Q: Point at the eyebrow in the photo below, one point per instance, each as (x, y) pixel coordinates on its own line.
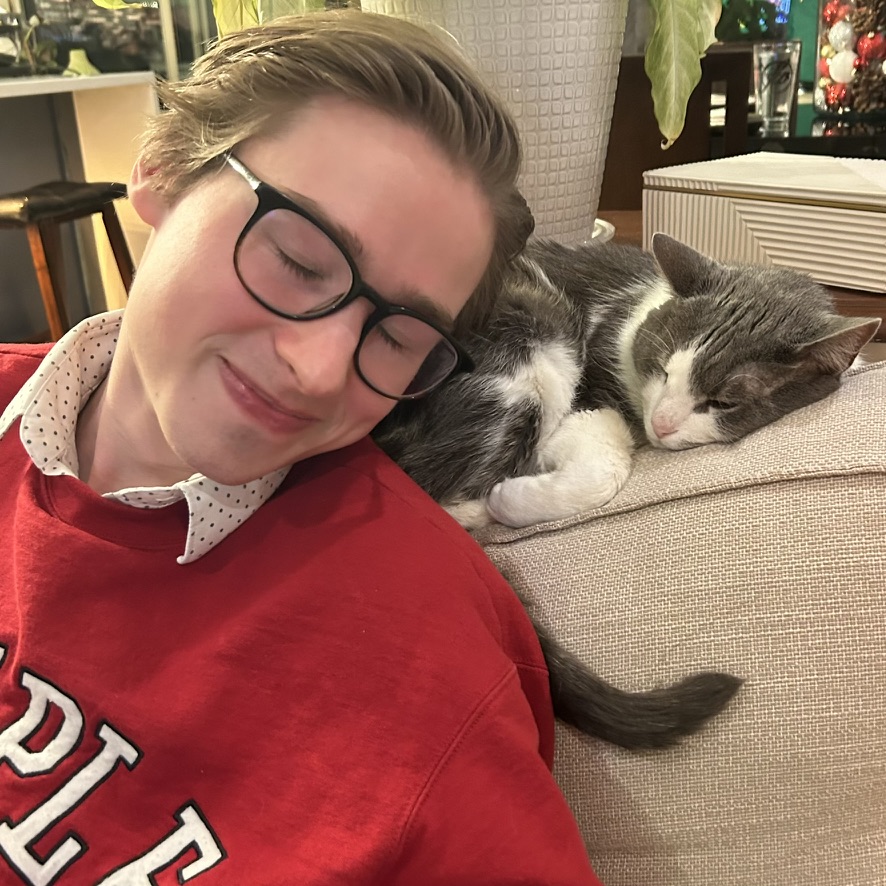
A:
(406, 298)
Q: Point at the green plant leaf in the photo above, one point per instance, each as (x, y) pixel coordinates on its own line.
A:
(683, 31)
(232, 16)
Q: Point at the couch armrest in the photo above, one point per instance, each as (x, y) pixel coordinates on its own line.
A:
(765, 558)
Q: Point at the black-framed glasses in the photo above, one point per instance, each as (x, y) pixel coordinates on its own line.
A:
(291, 264)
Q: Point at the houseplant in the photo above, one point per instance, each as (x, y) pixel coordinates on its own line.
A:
(556, 63)
(681, 33)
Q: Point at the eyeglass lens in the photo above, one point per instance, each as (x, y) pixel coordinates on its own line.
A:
(291, 266)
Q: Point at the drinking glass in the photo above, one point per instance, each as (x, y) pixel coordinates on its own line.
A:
(776, 65)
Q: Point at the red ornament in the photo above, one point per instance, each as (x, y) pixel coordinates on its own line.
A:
(871, 47)
(835, 95)
(824, 69)
(834, 11)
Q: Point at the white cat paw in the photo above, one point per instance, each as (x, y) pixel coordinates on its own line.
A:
(471, 514)
(507, 503)
(523, 501)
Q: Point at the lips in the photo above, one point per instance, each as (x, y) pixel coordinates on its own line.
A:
(261, 406)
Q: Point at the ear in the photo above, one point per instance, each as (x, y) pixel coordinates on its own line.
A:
(835, 352)
(685, 268)
(144, 195)
(524, 223)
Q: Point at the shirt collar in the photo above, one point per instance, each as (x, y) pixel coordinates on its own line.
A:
(49, 404)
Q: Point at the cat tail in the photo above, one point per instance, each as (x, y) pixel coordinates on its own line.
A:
(657, 718)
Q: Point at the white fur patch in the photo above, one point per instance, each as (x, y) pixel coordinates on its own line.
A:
(656, 297)
(585, 462)
(593, 319)
(534, 268)
(548, 378)
(699, 429)
(669, 416)
(471, 514)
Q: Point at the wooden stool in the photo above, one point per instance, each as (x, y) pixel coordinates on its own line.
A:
(40, 210)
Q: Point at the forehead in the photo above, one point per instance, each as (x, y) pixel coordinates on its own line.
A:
(417, 221)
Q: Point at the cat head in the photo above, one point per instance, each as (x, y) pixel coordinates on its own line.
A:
(735, 348)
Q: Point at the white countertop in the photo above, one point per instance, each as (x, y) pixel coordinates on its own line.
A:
(48, 84)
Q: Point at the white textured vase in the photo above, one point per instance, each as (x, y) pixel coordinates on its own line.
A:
(556, 64)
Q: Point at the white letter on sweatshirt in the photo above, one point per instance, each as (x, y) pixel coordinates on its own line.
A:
(13, 738)
(15, 839)
(194, 831)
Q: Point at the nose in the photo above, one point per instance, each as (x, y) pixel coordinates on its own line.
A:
(320, 353)
(664, 425)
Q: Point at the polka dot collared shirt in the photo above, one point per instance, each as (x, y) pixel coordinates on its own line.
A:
(50, 402)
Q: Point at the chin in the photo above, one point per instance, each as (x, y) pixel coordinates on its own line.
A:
(231, 478)
(228, 472)
(673, 445)
(233, 459)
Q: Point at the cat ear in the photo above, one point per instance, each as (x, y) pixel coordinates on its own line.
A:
(523, 224)
(685, 269)
(835, 352)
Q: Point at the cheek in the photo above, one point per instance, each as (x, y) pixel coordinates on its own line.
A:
(184, 293)
(361, 411)
(699, 429)
(703, 427)
(740, 422)
(188, 267)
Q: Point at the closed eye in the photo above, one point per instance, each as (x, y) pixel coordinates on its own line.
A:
(298, 269)
(719, 405)
(388, 339)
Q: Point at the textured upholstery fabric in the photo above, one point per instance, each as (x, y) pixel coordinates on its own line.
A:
(766, 558)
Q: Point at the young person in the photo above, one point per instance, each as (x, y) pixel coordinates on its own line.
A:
(237, 644)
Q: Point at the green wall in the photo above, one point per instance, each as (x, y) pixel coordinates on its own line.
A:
(803, 25)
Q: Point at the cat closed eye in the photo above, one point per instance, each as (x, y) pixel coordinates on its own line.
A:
(719, 405)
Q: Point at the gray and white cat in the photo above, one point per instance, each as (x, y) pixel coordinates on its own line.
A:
(593, 350)
(590, 352)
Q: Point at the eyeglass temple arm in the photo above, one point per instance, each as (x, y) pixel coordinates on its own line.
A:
(235, 164)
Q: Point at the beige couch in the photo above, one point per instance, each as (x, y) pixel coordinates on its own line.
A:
(766, 558)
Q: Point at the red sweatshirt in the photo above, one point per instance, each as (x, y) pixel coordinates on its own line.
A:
(344, 691)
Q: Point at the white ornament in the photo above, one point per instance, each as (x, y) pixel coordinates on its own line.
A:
(841, 36)
(842, 66)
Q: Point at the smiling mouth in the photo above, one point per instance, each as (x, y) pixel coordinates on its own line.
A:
(259, 405)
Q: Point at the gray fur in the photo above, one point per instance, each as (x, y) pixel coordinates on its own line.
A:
(768, 342)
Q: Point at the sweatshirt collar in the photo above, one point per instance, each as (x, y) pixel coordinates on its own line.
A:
(50, 402)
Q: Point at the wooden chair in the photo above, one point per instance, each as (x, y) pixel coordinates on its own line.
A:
(40, 210)
(634, 138)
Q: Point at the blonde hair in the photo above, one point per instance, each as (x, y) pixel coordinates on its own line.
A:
(252, 80)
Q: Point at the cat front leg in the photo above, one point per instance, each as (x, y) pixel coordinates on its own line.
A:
(472, 514)
(584, 464)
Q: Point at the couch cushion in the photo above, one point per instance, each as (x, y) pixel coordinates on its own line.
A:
(766, 558)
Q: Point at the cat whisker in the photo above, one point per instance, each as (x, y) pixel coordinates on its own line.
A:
(649, 334)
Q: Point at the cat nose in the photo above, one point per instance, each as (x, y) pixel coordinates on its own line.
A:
(664, 425)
